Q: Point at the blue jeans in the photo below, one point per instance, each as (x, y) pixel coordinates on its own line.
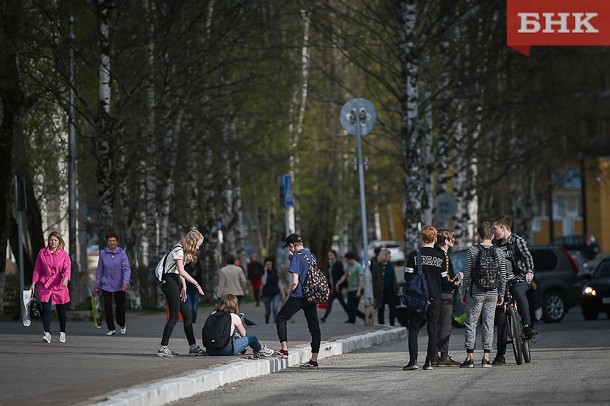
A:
(237, 346)
(192, 298)
(269, 300)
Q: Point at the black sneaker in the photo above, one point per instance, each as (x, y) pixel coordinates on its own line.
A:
(485, 363)
(196, 350)
(427, 366)
(411, 366)
(528, 332)
(447, 362)
(467, 364)
(499, 360)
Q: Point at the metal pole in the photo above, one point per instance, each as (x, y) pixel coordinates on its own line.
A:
(18, 186)
(362, 192)
(72, 166)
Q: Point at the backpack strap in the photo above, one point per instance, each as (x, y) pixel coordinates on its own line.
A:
(419, 265)
(165, 259)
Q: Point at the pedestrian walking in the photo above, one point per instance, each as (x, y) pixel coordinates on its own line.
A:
(231, 280)
(112, 278)
(299, 265)
(273, 289)
(355, 283)
(52, 272)
(173, 285)
(385, 286)
(255, 273)
(192, 294)
(336, 289)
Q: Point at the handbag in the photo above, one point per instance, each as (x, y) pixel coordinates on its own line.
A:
(35, 307)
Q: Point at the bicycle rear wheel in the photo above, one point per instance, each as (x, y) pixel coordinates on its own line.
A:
(514, 330)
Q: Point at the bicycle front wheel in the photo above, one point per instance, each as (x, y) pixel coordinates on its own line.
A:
(527, 356)
(514, 330)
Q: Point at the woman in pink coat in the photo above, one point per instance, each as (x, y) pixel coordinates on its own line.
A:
(52, 274)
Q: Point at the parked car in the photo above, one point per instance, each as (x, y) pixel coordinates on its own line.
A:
(586, 244)
(596, 292)
(556, 276)
(396, 249)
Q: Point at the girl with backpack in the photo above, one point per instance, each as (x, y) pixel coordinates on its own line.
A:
(173, 285)
(220, 327)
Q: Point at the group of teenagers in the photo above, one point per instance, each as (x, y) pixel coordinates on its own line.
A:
(514, 263)
(52, 274)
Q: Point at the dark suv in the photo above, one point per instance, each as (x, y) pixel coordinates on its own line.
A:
(586, 244)
(556, 275)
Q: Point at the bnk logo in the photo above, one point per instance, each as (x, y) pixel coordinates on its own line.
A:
(557, 23)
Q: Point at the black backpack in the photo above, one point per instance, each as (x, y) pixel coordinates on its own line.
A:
(415, 291)
(216, 332)
(486, 273)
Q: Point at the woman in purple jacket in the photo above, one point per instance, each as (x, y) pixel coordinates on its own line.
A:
(112, 277)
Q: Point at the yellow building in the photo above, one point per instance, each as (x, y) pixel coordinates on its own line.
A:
(569, 205)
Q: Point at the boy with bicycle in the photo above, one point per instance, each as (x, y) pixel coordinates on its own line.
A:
(519, 265)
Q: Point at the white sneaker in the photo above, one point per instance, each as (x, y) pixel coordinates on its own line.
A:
(62, 337)
(47, 337)
(266, 352)
(110, 333)
(163, 351)
(123, 330)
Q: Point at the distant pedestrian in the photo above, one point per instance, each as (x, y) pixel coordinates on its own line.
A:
(52, 272)
(336, 289)
(230, 304)
(449, 281)
(231, 280)
(192, 294)
(482, 302)
(432, 267)
(385, 286)
(355, 284)
(255, 273)
(173, 285)
(299, 265)
(273, 289)
(112, 277)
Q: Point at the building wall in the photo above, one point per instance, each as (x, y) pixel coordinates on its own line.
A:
(597, 184)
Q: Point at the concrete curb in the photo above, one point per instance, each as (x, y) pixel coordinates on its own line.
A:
(169, 390)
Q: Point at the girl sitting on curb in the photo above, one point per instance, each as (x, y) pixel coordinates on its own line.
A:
(229, 304)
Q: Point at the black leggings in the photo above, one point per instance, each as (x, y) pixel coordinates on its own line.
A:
(171, 289)
(62, 316)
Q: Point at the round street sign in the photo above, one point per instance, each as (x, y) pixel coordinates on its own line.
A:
(358, 111)
(444, 206)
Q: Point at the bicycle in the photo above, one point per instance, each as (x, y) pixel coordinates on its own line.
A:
(520, 343)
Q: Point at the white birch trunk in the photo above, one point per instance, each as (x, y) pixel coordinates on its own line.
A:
(297, 107)
(105, 156)
(412, 147)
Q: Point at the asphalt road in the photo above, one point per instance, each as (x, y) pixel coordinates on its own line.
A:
(569, 366)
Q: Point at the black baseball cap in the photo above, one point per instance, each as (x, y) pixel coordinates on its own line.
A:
(292, 239)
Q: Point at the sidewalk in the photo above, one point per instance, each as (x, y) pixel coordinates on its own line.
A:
(124, 370)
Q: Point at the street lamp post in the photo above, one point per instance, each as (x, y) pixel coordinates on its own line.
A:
(358, 118)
